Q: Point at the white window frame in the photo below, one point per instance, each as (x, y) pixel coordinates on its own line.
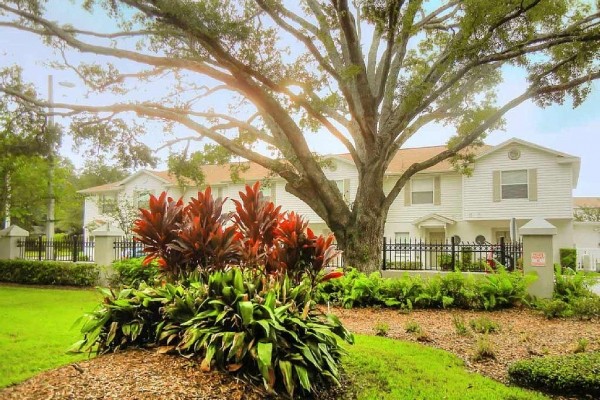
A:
(138, 198)
(401, 237)
(415, 182)
(103, 202)
(503, 185)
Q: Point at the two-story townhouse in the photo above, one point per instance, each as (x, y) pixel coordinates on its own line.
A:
(513, 181)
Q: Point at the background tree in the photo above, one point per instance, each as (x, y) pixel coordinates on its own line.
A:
(370, 74)
(587, 214)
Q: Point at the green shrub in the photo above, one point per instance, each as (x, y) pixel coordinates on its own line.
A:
(568, 258)
(484, 325)
(408, 265)
(459, 325)
(413, 327)
(131, 271)
(554, 308)
(236, 322)
(570, 285)
(571, 375)
(484, 349)
(381, 329)
(237, 291)
(445, 262)
(49, 273)
(492, 291)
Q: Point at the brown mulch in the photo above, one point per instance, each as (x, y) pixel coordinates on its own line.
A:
(133, 374)
(523, 334)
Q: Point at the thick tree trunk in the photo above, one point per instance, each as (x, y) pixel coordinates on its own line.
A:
(361, 238)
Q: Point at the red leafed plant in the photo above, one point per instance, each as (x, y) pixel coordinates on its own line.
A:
(204, 240)
(258, 236)
(256, 219)
(157, 229)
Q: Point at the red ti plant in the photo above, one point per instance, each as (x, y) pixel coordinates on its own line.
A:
(204, 240)
(157, 229)
(256, 219)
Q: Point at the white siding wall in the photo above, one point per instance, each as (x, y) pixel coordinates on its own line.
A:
(450, 206)
(554, 187)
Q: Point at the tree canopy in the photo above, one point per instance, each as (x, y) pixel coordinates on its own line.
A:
(258, 77)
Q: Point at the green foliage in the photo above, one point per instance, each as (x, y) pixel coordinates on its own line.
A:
(568, 258)
(131, 272)
(491, 291)
(484, 349)
(484, 325)
(49, 273)
(582, 345)
(413, 327)
(445, 262)
(572, 296)
(239, 296)
(237, 322)
(460, 325)
(571, 375)
(381, 329)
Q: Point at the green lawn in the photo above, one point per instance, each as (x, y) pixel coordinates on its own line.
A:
(390, 369)
(36, 330)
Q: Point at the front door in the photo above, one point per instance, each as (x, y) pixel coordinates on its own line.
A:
(435, 240)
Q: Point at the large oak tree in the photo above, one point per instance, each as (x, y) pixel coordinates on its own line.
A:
(264, 74)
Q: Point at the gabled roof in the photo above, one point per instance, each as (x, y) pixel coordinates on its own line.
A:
(493, 149)
(404, 158)
(434, 217)
(561, 157)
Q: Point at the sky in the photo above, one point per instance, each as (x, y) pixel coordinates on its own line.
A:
(560, 127)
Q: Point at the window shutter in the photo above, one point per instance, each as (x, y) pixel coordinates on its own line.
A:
(407, 194)
(274, 192)
(437, 192)
(532, 185)
(347, 190)
(496, 184)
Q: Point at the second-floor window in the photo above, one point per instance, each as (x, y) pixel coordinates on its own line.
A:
(142, 199)
(107, 203)
(422, 191)
(514, 184)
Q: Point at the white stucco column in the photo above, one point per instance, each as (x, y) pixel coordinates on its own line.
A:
(538, 255)
(9, 239)
(104, 252)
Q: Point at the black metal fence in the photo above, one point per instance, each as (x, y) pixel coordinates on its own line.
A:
(414, 254)
(71, 249)
(127, 248)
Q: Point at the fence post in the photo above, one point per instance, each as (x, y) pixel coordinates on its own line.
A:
(538, 255)
(384, 246)
(40, 248)
(502, 251)
(9, 242)
(75, 249)
(452, 243)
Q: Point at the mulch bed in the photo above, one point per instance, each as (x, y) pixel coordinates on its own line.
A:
(144, 374)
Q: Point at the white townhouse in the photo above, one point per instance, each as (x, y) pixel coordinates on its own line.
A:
(515, 179)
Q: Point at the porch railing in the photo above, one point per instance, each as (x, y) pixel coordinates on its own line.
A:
(71, 249)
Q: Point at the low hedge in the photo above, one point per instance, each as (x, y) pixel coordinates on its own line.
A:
(49, 273)
(131, 271)
(572, 375)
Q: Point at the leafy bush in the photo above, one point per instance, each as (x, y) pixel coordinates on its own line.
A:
(132, 271)
(484, 349)
(568, 258)
(572, 297)
(492, 291)
(484, 325)
(235, 322)
(49, 273)
(571, 375)
(459, 325)
(381, 329)
(445, 262)
(239, 293)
